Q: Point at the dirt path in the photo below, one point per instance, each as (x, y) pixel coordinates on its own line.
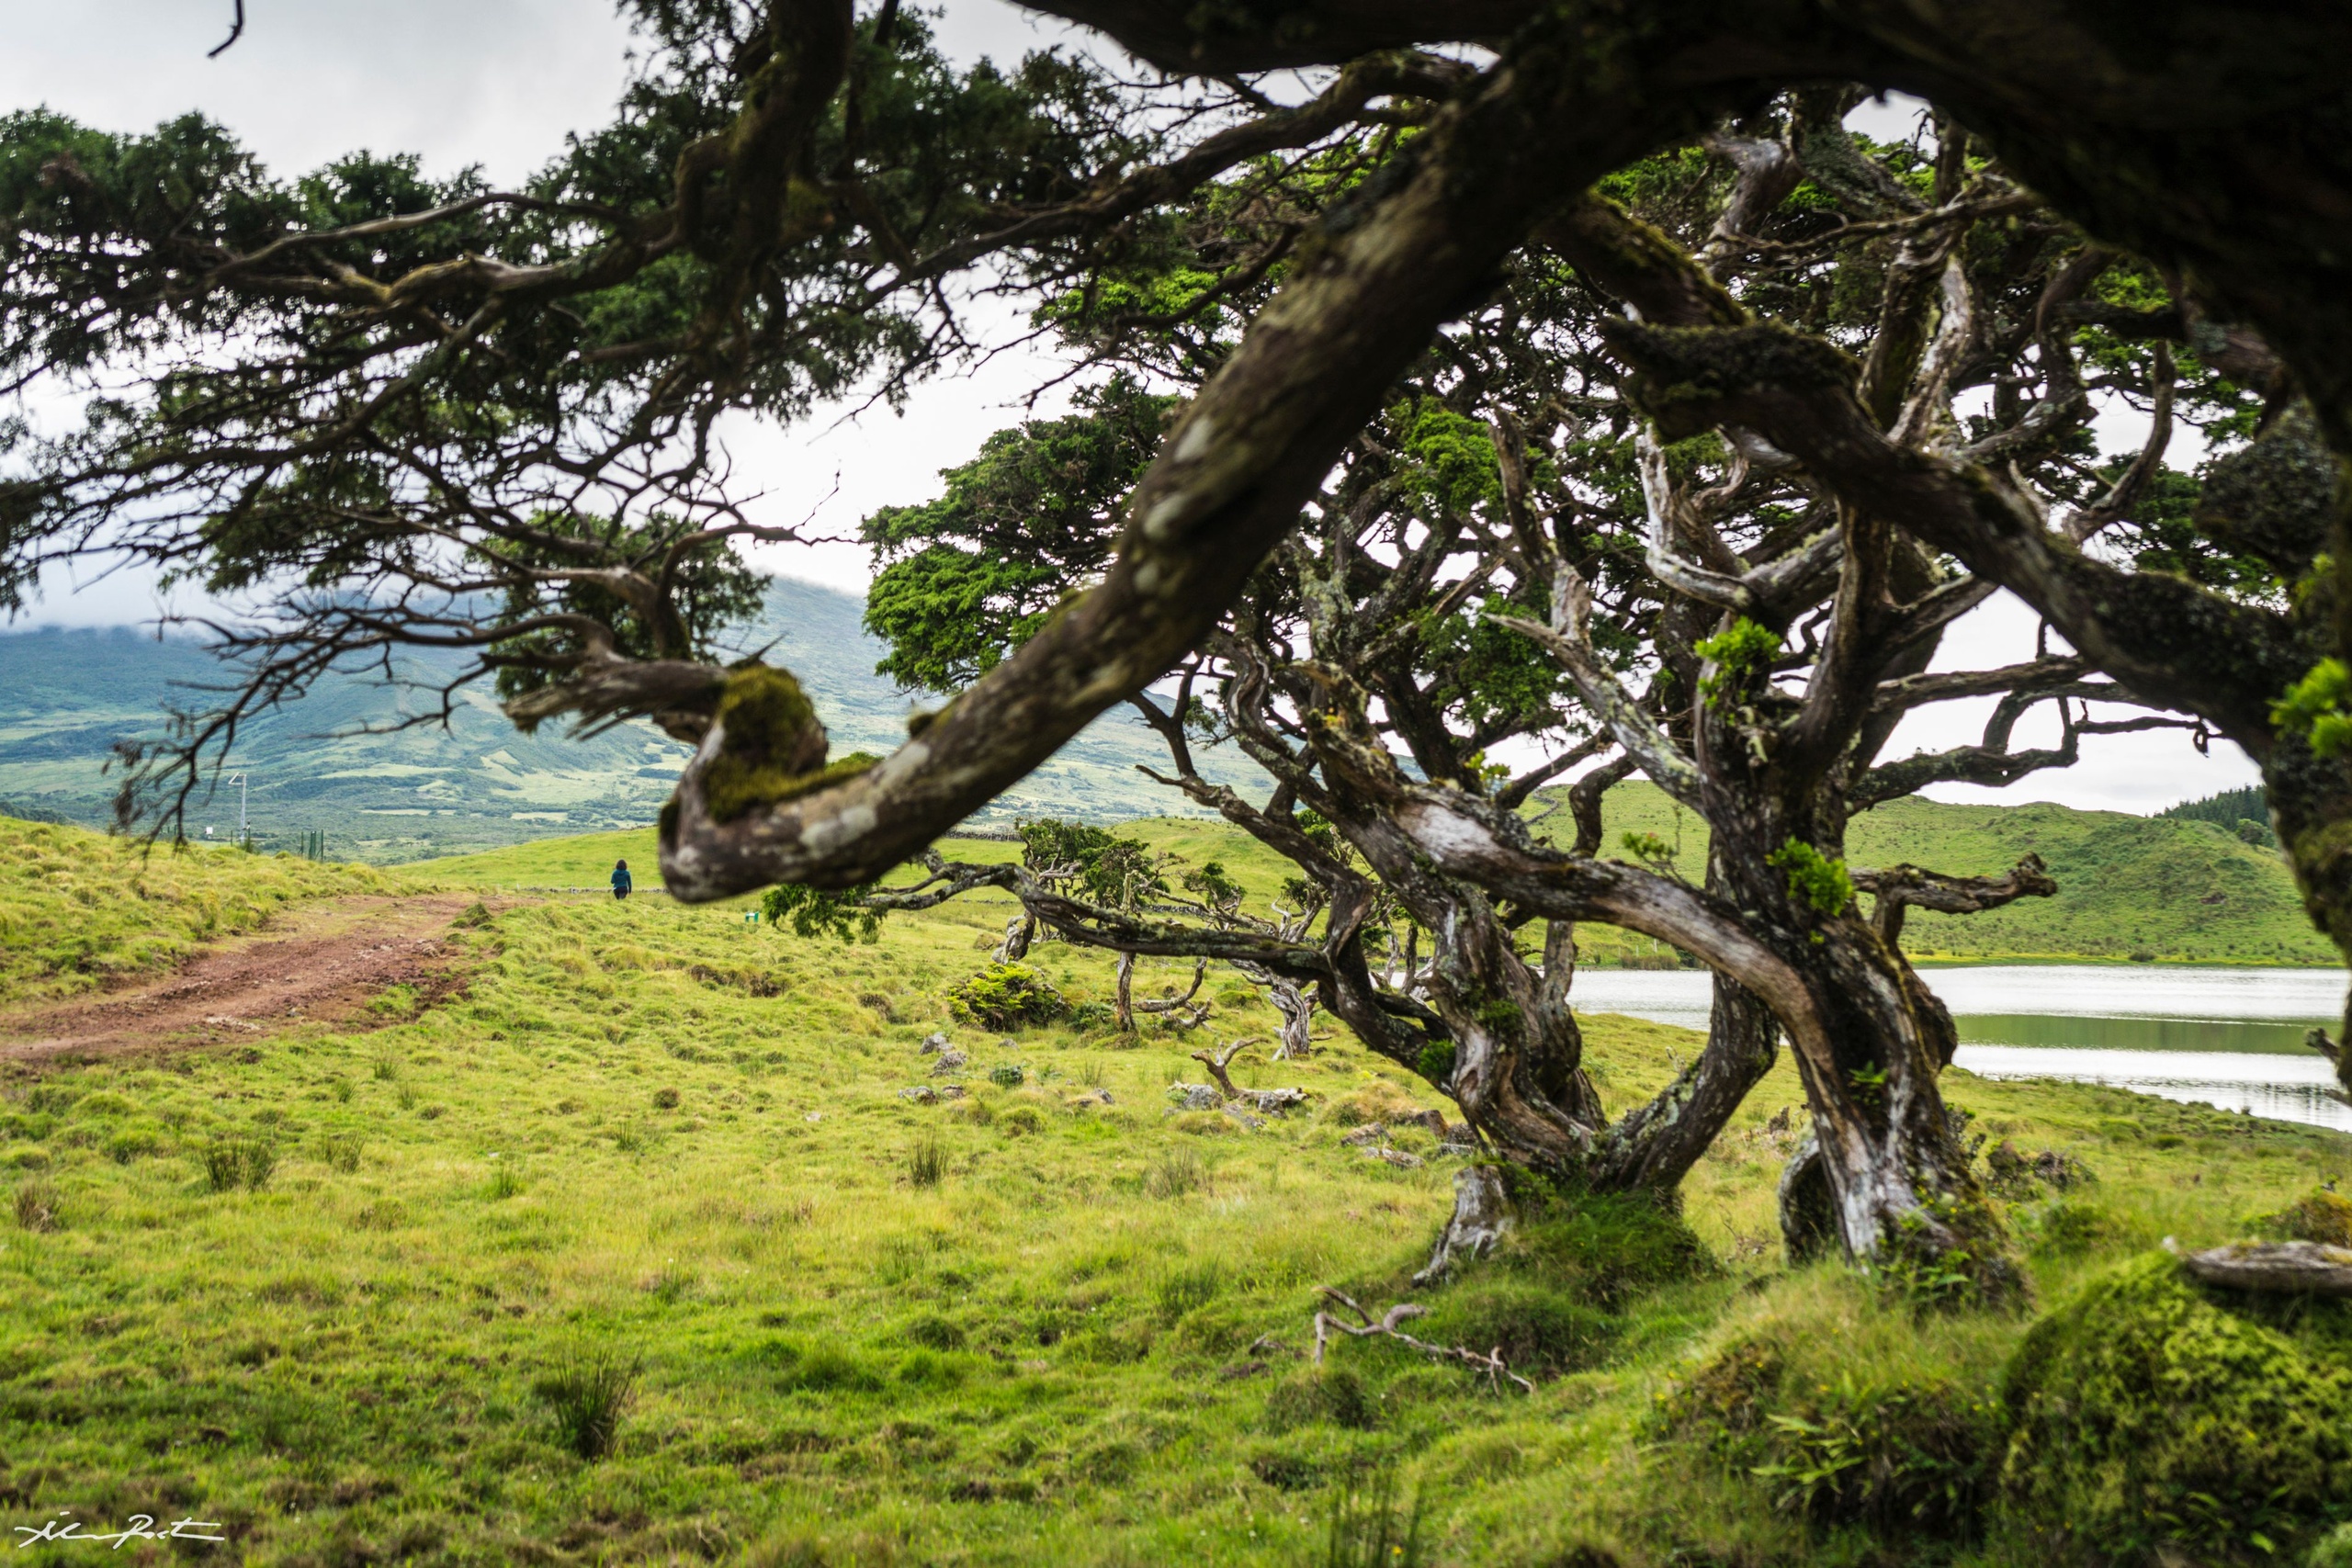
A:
(320, 964)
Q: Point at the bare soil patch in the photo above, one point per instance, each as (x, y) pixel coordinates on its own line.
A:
(322, 963)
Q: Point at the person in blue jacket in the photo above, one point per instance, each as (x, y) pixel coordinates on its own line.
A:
(621, 879)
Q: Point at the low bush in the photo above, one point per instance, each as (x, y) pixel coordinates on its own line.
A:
(1006, 996)
(2144, 1413)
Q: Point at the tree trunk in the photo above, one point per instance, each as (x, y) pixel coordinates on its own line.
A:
(1299, 1016)
(1126, 1018)
(1019, 933)
(1898, 1182)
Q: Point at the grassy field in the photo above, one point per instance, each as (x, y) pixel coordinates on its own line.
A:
(356, 1292)
(78, 908)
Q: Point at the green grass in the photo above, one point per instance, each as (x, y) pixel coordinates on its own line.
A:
(2164, 887)
(614, 1197)
(78, 908)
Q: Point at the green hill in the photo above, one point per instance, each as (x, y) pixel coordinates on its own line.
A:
(2174, 888)
(66, 697)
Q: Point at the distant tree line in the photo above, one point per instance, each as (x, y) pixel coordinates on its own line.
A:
(2246, 812)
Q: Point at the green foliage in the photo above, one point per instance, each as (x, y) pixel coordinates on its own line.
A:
(1814, 880)
(1650, 850)
(1106, 868)
(1741, 651)
(2319, 708)
(2143, 1413)
(817, 911)
(588, 1397)
(968, 578)
(1436, 1062)
(1007, 996)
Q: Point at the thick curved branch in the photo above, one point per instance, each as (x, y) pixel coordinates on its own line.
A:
(1900, 887)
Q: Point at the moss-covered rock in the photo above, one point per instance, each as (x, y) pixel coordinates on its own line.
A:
(2322, 1217)
(2143, 1411)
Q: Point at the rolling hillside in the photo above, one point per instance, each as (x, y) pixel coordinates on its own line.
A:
(2164, 887)
(67, 697)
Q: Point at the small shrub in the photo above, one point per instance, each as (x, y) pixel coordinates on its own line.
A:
(37, 1207)
(1006, 996)
(1334, 1396)
(231, 1163)
(588, 1398)
(1020, 1120)
(1007, 1075)
(474, 914)
(1175, 1173)
(1093, 1015)
(506, 1181)
(343, 1151)
(927, 1163)
(665, 1100)
(2143, 1414)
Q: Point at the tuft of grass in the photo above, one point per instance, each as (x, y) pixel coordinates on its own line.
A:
(231, 1162)
(1371, 1528)
(927, 1162)
(1176, 1172)
(38, 1206)
(588, 1397)
(342, 1151)
(506, 1181)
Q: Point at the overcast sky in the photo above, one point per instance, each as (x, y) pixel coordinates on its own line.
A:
(499, 83)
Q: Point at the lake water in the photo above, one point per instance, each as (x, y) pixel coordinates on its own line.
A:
(2231, 1038)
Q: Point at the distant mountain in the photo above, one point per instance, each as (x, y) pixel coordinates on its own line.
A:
(67, 697)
